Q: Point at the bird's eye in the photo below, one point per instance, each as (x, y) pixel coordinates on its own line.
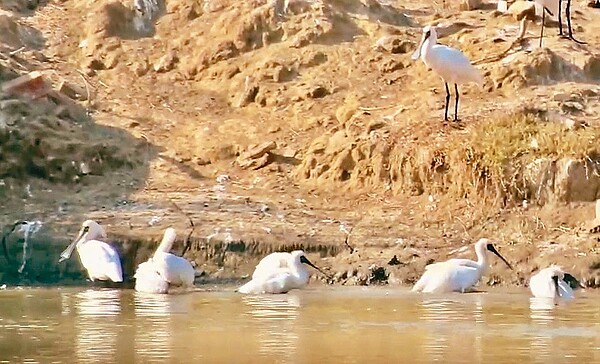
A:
(86, 229)
(428, 34)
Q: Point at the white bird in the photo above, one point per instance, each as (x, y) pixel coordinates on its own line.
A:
(451, 64)
(101, 260)
(457, 275)
(553, 282)
(553, 7)
(279, 273)
(164, 268)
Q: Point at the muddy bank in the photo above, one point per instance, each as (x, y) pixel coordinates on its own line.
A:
(387, 245)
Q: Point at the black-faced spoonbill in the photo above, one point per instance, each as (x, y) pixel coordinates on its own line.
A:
(101, 260)
(553, 7)
(553, 282)
(451, 64)
(164, 269)
(457, 275)
(279, 273)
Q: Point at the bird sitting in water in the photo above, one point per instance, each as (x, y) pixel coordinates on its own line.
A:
(457, 275)
(164, 269)
(279, 273)
(101, 260)
(451, 64)
(553, 282)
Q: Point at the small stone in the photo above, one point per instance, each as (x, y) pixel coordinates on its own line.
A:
(31, 85)
(166, 63)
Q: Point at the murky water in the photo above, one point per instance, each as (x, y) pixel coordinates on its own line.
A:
(349, 325)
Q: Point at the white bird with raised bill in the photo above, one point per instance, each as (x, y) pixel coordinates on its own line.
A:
(449, 63)
(553, 282)
(101, 260)
(164, 269)
(457, 275)
(279, 273)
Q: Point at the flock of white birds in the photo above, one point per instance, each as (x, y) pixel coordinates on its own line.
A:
(281, 272)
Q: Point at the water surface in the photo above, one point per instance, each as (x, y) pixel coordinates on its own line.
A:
(332, 324)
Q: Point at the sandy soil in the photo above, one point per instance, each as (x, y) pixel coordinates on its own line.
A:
(275, 131)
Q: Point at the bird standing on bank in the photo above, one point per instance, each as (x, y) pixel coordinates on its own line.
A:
(451, 64)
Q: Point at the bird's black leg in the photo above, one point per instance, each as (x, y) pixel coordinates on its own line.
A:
(568, 14)
(456, 104)
(542, 33)
(560, 32)
(447, 101)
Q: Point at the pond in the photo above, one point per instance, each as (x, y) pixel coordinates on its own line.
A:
(317, 324)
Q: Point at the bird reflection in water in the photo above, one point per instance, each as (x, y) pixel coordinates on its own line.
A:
(153, 326)
(541, 312)
(97, 324)
(275, 318)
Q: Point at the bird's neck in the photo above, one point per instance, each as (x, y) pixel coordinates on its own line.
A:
(165, 246)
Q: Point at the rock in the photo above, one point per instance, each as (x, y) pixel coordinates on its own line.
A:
(522, 10)
(390, 65)
(377, 275)
(259, 150)
(394, 261)
(317, 92)
(166, 63)
(249, 94)
(72, 91)
(470, 5)
(31, 85)
(394, 45)
(257, 157)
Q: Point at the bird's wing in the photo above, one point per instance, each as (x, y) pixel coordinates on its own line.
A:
(176, 270)
(447, 277)
(453, 261)
(269, 263)
(277, 281)
(453, 66)
(101, 257)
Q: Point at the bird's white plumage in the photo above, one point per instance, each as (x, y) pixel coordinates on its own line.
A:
(164, 269)
(101, 260)
(542, 285)
(148, 280)
(277, 273)
(449, 63)
(454, 275)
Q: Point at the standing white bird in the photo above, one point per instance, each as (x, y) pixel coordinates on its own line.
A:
(101, 260)
(451, 64)
(553, 7)
(457, 275)
(553, 282)
(164, 269)
(279, 273)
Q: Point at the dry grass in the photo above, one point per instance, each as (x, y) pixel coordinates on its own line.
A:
(492, 161)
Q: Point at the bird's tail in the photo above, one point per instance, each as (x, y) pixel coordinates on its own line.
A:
(248, 288)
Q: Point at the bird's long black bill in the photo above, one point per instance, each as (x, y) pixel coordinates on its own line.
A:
(572, 281)
(557, 290)
(493, 250)
(305, 260)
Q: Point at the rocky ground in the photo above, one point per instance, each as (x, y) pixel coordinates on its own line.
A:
(307, 127)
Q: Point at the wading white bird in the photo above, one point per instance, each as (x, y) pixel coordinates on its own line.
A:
(457, 275)
(279, 273)
(101, 260)
(553, 282)
(164, 268)
(451, 64)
